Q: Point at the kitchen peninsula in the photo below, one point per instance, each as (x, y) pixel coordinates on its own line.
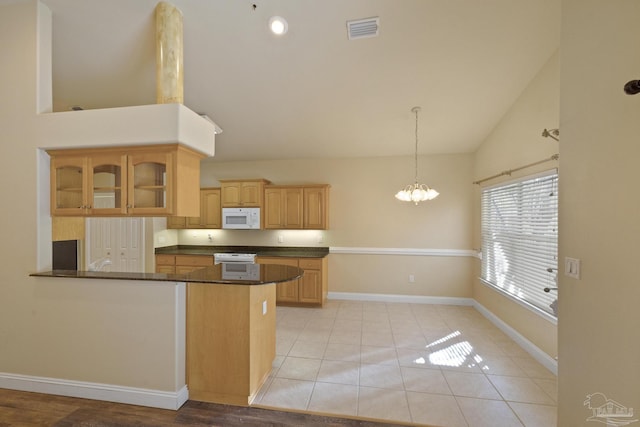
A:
(227, 338)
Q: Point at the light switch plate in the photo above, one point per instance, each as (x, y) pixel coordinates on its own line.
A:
(572, 267)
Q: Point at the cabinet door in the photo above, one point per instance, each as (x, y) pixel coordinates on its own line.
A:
(250, 194)
(230, 194)
(287, 291)
(210, 210)
(108, 178)
(316, 209)
(310, 289)
(283, 207)
(69, 186)
(273, 208)
(293, 203)
(150, 183)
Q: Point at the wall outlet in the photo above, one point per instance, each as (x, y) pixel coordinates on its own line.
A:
(412, 278)
(280, 238)
(320, 238)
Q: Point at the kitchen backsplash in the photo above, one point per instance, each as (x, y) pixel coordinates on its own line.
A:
(310, 238)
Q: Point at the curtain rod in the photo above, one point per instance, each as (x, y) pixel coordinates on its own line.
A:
(510, 171)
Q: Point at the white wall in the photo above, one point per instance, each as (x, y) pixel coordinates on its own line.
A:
(599, 349)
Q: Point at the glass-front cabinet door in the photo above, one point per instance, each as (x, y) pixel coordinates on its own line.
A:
(69, 186)
(150, 183)
(108, 184)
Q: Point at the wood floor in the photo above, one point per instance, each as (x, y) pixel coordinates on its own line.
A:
(24, 409)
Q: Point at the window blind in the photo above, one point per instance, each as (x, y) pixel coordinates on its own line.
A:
(519, 229)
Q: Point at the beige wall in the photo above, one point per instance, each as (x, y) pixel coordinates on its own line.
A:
(599, 349)
(122, 333)
(365, 214)
(515, 142)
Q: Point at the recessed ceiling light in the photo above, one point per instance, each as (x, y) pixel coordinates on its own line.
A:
(278, 25)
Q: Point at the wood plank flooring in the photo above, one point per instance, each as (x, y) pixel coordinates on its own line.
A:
(25, 409)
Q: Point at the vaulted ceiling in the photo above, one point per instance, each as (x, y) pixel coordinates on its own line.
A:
(313, 92)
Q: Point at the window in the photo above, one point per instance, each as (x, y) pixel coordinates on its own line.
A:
(520, 238)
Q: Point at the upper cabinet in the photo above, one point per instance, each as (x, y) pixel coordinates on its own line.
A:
(210, 212)
(316, 207)
(159, 180)
(297, 207)
(243, 193)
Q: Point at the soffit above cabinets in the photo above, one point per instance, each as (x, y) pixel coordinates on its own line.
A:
(126, 126)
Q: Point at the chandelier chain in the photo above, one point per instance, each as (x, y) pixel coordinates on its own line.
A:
(416, 110)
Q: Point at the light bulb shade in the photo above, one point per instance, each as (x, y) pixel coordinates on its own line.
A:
(416, 193)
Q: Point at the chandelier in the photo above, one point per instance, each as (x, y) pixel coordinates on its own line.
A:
(416, 192)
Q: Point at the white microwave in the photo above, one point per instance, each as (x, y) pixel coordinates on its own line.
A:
(241, 218)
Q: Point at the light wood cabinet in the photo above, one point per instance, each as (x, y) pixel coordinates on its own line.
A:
(283, 207)
(158, 180)
(176, 222)
(166, 264)
(210, 212)
(296, 207)
(316, 207)
(231, 341)
(182, 264)
(310, 290)
(243, 193)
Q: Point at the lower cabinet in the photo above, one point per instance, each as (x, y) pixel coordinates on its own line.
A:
(310, 289)
(182, 264)
(166, 264)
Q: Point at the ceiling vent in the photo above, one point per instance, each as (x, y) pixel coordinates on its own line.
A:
(363, 28)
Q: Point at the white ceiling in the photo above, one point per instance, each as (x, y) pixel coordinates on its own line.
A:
(313, 92)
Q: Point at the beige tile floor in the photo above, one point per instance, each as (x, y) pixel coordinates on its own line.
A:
(437, 365)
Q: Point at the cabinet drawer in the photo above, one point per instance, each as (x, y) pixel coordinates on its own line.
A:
(194, 260)
(186, 269)
(278, 260)
(165, 260)
(167, 269)
(310, 263)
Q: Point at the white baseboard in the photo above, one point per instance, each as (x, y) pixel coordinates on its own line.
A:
(547, 361)
(96, 391)
(412, 299)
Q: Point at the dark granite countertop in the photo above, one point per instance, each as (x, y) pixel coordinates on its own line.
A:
(289, 251)
(214, 274)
